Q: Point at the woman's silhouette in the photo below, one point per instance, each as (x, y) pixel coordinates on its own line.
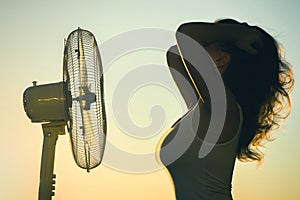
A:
(257, 81)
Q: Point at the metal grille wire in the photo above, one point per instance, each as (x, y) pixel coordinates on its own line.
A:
(83, 73)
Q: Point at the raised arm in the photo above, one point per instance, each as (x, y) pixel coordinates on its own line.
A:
(189, 34)
(243, 35)
(181, 77)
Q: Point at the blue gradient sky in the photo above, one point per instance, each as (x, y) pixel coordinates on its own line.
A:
(32, 34)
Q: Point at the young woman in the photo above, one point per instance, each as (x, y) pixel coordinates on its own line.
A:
(257, 81)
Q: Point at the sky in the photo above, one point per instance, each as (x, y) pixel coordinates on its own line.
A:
(32, 42)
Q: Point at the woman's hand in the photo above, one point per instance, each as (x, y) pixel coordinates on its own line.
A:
(248, 37)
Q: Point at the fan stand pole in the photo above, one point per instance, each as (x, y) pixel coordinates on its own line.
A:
(51, 131)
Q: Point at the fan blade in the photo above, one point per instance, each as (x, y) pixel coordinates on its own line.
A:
(83, 75)
(90, 140)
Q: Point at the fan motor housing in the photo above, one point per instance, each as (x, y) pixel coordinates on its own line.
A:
(45, 103)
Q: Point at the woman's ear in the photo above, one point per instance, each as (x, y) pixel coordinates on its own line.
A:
(220, 57)
(223, 60)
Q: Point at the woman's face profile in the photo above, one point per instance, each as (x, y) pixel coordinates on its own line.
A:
(220, 57)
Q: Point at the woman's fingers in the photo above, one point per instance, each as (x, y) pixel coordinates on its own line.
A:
(246, 46)
(249, 40)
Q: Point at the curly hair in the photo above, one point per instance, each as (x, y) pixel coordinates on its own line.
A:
(261, 84)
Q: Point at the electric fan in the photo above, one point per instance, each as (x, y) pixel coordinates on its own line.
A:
(77, 103)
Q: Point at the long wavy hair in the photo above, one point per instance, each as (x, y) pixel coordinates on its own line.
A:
(261, 84)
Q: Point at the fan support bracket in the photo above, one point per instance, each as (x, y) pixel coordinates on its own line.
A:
(47, 178)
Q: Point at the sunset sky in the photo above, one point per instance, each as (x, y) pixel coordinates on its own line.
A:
(31, 48)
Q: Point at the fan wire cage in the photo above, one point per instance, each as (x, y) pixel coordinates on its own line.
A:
(83, 73)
